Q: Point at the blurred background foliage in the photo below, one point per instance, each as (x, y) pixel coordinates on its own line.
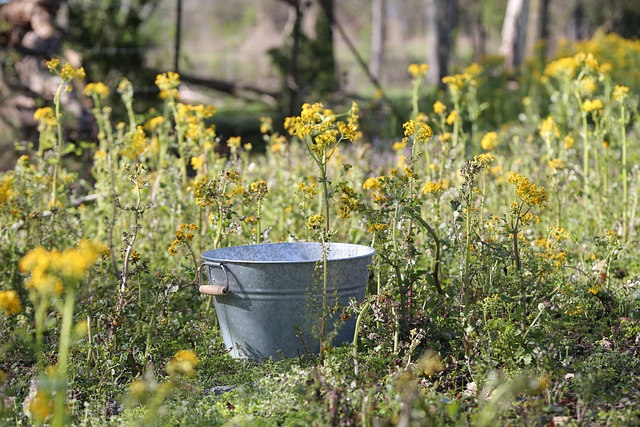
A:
(251, 58)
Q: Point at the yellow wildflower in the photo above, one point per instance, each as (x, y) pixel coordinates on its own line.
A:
(548, 129)
(371, 184)
(41, 406)
(418, 70)
(620, 93)
(234, 142)
(306, 191)
(258, 188)
(266, 124)
(68, 73)
(588, 86)
(484, 159)
(6, 189)
(50, 268)
(184, 362)
(592, 105)
(445, 137)
(52, 64)
(315, 221)
(439, 107)
(168, 81)
(197, 162)
(377, 227)
(433, 187)
(556, 164)
(10, 303)
(527, 191)
(489, 141)
(98, 89)
(135, 143)
(420, 131)
(568, 142)
(399, 145)
(278, 145)
(45, 116)
(452, 118)
(154, 123)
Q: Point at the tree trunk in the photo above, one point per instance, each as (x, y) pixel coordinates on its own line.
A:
(447, 20)
(514, 31)
(378, 36)
(432, 41)
(326, 51)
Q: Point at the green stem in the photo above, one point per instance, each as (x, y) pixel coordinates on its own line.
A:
(323, 315)
(63, 358)
(625, 189)
(56, 165)
(585, 154)
(40, 315)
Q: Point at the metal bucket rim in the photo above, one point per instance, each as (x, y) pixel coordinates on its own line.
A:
(210, 255)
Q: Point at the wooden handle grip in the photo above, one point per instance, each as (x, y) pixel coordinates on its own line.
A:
(213, 290)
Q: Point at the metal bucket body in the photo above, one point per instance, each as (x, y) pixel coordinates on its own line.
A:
(274, 299)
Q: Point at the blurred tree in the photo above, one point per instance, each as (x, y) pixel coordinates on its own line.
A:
(307, 63)
(378, 36)
(514, 31)
(107, 34)
(441, 21)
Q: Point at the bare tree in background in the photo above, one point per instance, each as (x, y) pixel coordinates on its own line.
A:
(514, 31)
(378, 36)
(441, 18)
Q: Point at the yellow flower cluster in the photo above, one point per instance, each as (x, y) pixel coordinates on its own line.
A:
(10, 303)
(319, 126)
(549, 251)
(197, 162)
(168, 80)
(154, 123)
(6, 189)
(376, 227)
(307, 192)
(484, 159)
(433, 187)
(592, 105)
(266, 125)
(49, 270)
(569, 66)
(98, 89)
(453, 117)
(548, 129)
(183, 236)
(530, 193)
(439, 108)
(67, 73)
(315, 221)
(489, 141)
(620, 93)
(348, 203)
(258, 189)
(556, 164)
(458, 82)
(371, 184)
(420, 131)
(45, 117)
(136, 141)
(192, 118)
(568, 141)
(418, 70)
(184, 362)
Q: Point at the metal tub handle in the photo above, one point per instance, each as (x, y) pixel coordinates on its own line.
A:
(214, 289)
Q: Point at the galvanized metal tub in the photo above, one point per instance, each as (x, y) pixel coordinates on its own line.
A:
(268, 297)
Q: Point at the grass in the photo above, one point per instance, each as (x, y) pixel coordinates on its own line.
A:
(504, 291)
